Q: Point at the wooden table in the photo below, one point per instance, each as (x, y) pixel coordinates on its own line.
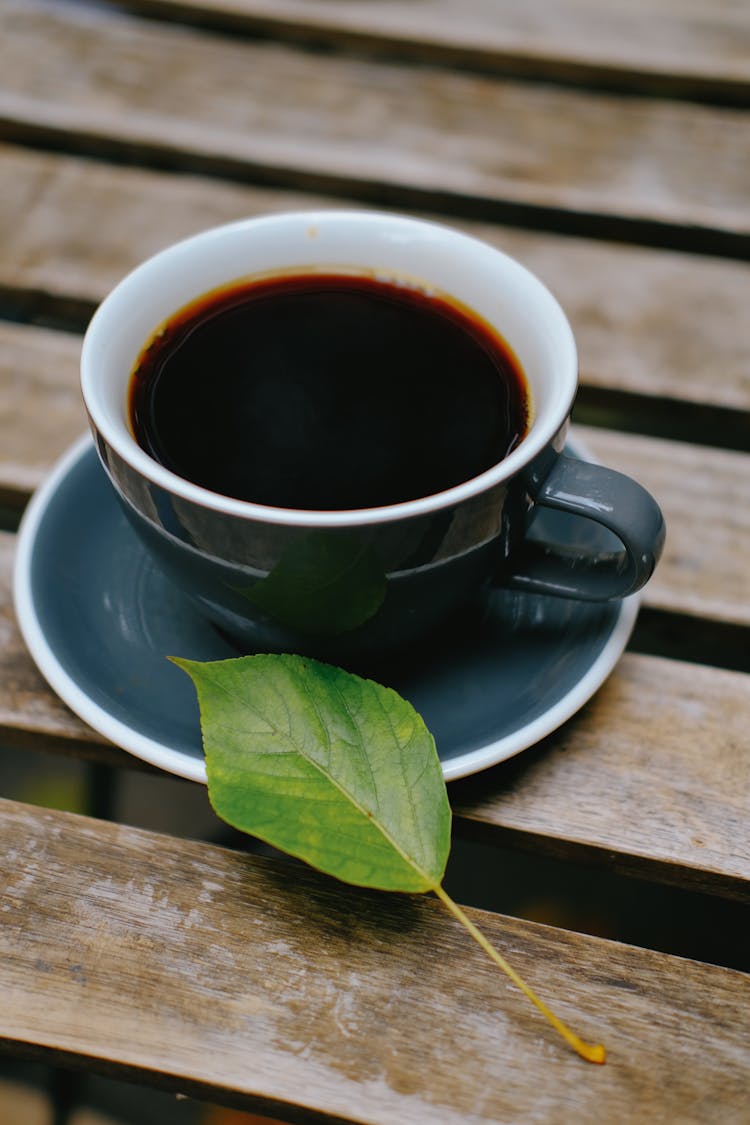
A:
(606, 146)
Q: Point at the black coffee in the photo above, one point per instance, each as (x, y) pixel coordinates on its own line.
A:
(327, 392)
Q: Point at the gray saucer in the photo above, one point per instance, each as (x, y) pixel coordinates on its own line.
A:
(100, 619)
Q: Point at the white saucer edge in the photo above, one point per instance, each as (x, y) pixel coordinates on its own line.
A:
(97, 718)
(176, 763)
(564, 709)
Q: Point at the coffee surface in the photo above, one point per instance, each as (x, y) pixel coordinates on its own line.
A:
(327, 392)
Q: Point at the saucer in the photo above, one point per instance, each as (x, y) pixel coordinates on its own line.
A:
(99, 619)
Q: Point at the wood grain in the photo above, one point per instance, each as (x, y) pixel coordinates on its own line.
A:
(703, 492)
(650, 777)
(254, 982)
(211, 972)
(702, 49)
(41, 411)
(661, 747)
(85, 77)
(30, 713)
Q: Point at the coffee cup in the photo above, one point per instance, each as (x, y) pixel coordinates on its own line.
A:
(360, 478)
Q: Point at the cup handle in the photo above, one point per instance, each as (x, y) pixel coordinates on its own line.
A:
(618, 504)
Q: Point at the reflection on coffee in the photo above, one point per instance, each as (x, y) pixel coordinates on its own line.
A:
(327, 391)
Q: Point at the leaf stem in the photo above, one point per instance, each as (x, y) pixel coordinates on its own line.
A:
(593, 1053)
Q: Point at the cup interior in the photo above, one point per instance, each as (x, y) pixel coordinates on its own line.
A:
(432, 257)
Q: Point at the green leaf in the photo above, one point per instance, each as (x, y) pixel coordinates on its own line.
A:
(338, 771)
(325, 585)
(326, 766)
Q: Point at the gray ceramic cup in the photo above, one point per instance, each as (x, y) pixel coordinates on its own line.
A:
(350, 586)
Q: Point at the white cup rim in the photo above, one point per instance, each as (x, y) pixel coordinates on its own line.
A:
(113, 428)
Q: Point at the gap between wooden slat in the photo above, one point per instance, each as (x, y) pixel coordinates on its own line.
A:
(695, 238)
(652, 765)
(643, 349)
(660, 747)
(660, 416)
(703, 492)
(681, 636)
(635, 169)
(685, 54)
(130, 952)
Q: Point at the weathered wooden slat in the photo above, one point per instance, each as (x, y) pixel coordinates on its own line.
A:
(633, 310)
(703, 491)
(30, 713)
(41, 411)
(702, 50)
(70, 228)
(267, 110)
(203, 970)
(650, 778)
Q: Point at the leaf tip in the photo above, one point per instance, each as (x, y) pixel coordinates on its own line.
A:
(187, 666)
